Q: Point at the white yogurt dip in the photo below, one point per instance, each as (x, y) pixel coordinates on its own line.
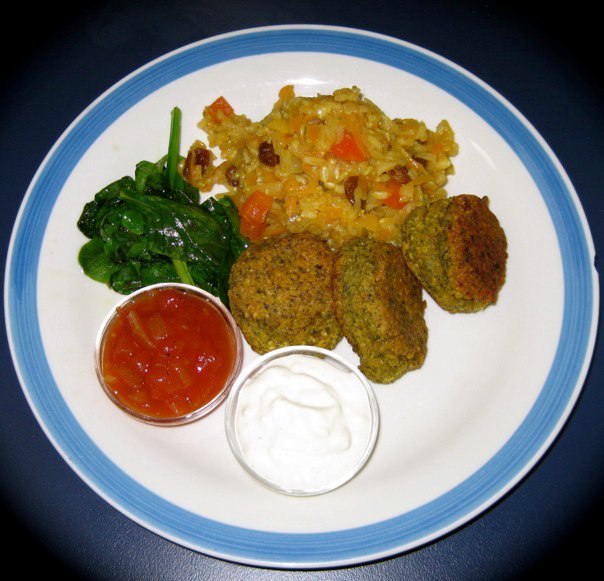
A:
(304, 424)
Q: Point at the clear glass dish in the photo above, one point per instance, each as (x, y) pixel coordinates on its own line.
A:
(209, 405)
(294, 408)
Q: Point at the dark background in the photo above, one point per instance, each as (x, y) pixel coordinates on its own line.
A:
(56, 60)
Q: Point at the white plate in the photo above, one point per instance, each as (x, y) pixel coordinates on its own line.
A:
(456, 435)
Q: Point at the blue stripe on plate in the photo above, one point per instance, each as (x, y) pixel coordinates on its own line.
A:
(342, 547)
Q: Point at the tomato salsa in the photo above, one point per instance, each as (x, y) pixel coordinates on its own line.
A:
(167, 353)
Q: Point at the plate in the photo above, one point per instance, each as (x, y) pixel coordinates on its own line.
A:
(457, 435)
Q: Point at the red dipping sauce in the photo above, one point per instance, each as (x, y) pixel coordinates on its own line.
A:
(169, 354)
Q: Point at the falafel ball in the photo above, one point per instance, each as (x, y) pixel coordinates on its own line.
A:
(380, 307)
(281, 293)
(458, 250)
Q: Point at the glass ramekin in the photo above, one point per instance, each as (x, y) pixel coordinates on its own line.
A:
(207, 407)
(281, 355)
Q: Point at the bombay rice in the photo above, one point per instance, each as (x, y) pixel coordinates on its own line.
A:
(314, 187)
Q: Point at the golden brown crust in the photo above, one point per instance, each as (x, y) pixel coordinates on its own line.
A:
(281, 294)
(458, 250)
(478, 250)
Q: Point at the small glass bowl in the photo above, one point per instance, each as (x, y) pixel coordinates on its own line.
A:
(207, 407)
(282, 354)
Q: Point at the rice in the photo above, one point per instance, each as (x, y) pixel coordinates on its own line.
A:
(332, 165)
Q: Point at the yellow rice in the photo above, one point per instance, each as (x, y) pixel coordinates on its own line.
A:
(308, 185)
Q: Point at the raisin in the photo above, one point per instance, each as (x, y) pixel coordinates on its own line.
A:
(198, 157)
(399, 174)
(350, 185)
(231, 176)
(267, 155)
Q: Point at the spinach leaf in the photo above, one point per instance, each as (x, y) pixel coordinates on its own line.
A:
(103, 202)
(95, 261)
(225, 212)
(152, 228)
(179, 231)
(162, 178)
(149, 176)
(152, 178)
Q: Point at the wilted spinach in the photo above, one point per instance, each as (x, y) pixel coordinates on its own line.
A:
(152, 228)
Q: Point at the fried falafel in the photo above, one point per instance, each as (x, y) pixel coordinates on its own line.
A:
(458, 250)
(380, 307)
(281, 293)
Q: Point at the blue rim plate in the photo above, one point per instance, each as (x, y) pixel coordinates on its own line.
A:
(526, 445)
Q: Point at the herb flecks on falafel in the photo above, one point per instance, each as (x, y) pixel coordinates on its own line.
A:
(281, 294)
(380, 308)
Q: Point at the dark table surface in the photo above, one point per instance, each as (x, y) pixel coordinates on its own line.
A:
(61, 59)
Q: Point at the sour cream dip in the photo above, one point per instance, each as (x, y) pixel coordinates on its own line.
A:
(303, 420)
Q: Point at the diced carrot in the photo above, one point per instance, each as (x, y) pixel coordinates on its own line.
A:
(253, 214)
(347, 148)
(286, 92)
(438, 147)
(221, 105)
(313, 132)
(295, 123)
(252, 231)
(394, 195)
